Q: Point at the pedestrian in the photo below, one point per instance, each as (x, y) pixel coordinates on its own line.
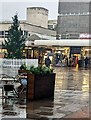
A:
(76, 60)
(47, 61)
(86, 62)
(69, 62)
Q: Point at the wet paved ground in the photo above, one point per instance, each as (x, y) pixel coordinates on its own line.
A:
(71, 99)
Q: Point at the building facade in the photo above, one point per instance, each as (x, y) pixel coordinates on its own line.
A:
(73, 19)
(74, 23)
(35, 26)
(52, 24)
(37, 16)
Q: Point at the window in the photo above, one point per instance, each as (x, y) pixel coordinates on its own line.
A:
(25, 32)
(1, 33)
(6, 33)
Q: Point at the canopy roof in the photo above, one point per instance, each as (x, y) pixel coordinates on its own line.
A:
(63, 42)
(36, 36)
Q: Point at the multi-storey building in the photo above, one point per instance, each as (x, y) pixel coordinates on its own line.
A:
(73, 19)
(74, 23)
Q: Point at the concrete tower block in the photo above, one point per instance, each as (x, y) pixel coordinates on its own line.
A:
(37, 16)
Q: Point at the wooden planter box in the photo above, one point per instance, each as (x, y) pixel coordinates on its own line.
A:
(23, 71)
(40, 86)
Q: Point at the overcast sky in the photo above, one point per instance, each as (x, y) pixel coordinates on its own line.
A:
(8, 8)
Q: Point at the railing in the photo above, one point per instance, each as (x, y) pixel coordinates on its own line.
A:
(16, 63)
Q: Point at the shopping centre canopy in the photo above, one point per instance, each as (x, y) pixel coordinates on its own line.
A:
(63, 42)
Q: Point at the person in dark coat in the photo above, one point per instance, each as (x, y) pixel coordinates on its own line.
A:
(86, 62)
(47, 61)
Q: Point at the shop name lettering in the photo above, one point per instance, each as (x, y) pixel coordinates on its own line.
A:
(11, 63)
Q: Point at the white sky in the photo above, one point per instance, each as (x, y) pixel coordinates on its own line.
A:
(8, 8)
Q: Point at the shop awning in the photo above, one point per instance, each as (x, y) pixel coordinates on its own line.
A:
(63, 42)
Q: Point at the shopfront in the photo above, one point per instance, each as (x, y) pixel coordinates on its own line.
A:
(69, 48)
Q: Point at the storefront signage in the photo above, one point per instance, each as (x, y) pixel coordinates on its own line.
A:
(75, 50)
(85, 36)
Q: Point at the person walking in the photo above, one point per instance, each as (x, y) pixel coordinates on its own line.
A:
(86, 62)
(77, 63)
(47, 61)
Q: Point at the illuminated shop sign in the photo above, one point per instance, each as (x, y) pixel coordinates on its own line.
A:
(75, 50)
(85, 36)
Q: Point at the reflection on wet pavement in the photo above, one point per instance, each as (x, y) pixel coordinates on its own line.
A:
(12, 108)
(71, 95)
(70, 79)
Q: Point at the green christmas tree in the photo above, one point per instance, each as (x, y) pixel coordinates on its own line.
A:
(15, 42)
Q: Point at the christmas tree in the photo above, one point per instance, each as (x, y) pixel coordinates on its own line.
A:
(15, 42)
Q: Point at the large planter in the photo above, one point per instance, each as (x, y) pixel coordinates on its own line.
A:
(40, 86)
(23, 71)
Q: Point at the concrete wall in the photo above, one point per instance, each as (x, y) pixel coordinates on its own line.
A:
(37, 16)
(40, 30)
(4, 26)
(28, 27)
(73, 18)
(73, 23)
(73, 7)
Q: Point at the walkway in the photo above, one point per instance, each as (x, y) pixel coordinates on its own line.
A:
(71, 99)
